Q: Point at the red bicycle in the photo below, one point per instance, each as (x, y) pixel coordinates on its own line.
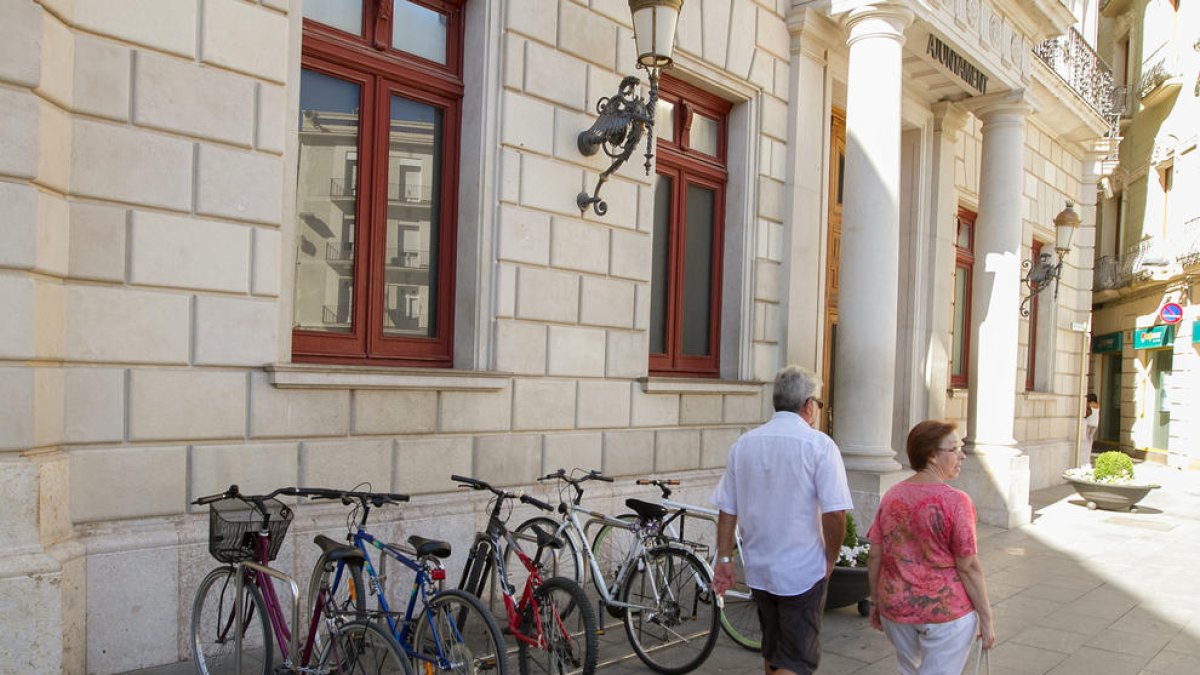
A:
(552, 621)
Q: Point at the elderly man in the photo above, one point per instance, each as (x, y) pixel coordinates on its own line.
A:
(785, 485)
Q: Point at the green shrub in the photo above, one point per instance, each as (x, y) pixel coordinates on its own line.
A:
(1113, 465)
(851, 538)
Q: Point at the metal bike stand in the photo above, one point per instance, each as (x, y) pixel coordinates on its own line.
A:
(237, 609)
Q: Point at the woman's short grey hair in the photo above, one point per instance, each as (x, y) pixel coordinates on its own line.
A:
(794, 385)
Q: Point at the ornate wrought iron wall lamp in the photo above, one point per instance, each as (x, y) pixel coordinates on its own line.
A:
(624, 117)
(1039, 273)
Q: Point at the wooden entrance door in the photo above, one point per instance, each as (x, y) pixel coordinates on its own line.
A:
(833, 252)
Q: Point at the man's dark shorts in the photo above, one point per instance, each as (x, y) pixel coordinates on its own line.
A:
(791, 627)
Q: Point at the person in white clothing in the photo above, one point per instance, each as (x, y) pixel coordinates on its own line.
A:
(785, 486)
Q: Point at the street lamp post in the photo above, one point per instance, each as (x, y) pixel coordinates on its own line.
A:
(624, 117)
(1046, 269)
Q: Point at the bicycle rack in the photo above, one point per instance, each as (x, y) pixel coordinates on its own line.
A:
(237, 609)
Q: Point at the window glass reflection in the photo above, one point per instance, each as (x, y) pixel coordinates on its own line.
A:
(326, 190)
(702, 137)
(341, 14)
(419, 30)
(410, 256)
(697, 270)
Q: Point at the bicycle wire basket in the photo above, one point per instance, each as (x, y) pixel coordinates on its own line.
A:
(232, 525)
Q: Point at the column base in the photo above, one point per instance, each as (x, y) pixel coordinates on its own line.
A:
(999, 486)
(866, 489)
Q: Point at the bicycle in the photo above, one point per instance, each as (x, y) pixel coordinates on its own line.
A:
(739, 614)
(451, 633)
(552, 615)
(660, 590)
(236, 604)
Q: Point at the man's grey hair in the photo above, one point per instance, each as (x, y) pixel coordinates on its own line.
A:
(794, 385)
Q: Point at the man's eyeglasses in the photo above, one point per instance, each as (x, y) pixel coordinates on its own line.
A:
(819, 402)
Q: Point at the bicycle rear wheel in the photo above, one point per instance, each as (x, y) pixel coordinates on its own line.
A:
(556, 562)
(456, 634)
(561, 614)
(214, 636)
(673, 624)
(611, 546)
(739, 616)
(359, 648)
(347, 601)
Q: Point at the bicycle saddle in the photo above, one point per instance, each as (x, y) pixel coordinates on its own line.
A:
(335, 551)
(433, 547)
(646, 510)
(545, 539)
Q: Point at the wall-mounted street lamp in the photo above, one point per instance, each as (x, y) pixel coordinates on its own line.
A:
(625, 117)
(1042, 271)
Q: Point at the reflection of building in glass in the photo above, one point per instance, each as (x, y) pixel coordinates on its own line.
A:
(327, 186)
(328, 190)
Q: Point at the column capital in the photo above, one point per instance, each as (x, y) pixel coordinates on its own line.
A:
(880, 19)
(1005, 106)
(948, 118)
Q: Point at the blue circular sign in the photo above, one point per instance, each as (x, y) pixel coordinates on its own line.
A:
(1172, 312)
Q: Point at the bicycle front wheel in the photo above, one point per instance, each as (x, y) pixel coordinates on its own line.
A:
(215, 626)
(561, 616)
(346, 597)
(672, 624)
(456, 634)
(739, 616)
(359, 648)
(612, 546)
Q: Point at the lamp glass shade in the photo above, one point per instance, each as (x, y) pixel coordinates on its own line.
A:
(654, 30)
(1065, 224)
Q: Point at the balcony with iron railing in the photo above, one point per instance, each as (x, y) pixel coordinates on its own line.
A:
(1151, 259)
(1074, 61)
(398, 193)
(1162, 73)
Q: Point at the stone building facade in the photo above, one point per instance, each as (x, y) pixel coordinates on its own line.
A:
(188, 298)
(1144, 363)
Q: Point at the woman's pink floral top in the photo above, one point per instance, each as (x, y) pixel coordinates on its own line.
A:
(921, 529)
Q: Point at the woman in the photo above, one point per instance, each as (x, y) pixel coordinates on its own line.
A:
(1091, 421)
(927, 588)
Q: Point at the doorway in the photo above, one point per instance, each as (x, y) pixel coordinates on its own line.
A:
(833, 251)
(1162, 363)
(1110, 400)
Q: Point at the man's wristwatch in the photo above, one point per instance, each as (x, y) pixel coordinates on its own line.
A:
(724, 560)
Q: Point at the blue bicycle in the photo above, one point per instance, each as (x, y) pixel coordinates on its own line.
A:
(442, 630)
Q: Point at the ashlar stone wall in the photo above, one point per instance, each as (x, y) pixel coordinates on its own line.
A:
(146, 174)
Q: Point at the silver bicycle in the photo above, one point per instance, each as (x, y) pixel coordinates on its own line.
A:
(660, 589)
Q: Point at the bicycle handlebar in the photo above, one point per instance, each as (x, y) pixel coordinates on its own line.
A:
(536, 502)
(660, 483)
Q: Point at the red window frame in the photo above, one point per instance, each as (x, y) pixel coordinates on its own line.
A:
(1035, 254)
(382, 71)
(686, 166)
(964, 258)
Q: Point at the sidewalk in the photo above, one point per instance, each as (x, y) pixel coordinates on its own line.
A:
(1076, 592)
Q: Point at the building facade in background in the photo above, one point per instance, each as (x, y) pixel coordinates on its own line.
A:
(1145, 367)
(279, 242)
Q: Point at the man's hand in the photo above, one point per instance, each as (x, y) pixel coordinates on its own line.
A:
(722, 578)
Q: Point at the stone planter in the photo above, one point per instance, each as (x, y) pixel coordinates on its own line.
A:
(849, 586)
(1108, 496)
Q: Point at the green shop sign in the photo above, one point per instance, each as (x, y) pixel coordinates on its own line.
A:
(1155, 337)
(1109, 342)
(1196, 331)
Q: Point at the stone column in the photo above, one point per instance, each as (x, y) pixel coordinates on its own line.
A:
(948, 121)
(866, 340)
(997, 475)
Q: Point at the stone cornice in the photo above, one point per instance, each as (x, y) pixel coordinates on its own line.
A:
(813, 32)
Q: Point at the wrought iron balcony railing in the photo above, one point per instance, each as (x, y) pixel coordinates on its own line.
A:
(1077, 64)
(1159, 69)
(1151, 258)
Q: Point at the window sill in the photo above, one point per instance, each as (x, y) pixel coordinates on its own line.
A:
(1040, 396)
(689, 385)
(320, 376)
(957, 392)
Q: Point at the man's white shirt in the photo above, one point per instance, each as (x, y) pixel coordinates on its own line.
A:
(779, 479)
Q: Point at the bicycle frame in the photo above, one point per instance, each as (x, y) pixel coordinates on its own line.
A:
(571, 523)
(421, 585)
(681, 511)
(498, 533)
(262, 574)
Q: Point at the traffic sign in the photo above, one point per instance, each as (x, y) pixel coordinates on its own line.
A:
(1172, 312)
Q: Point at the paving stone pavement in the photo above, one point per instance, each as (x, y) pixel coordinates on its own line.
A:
(1077, 592)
